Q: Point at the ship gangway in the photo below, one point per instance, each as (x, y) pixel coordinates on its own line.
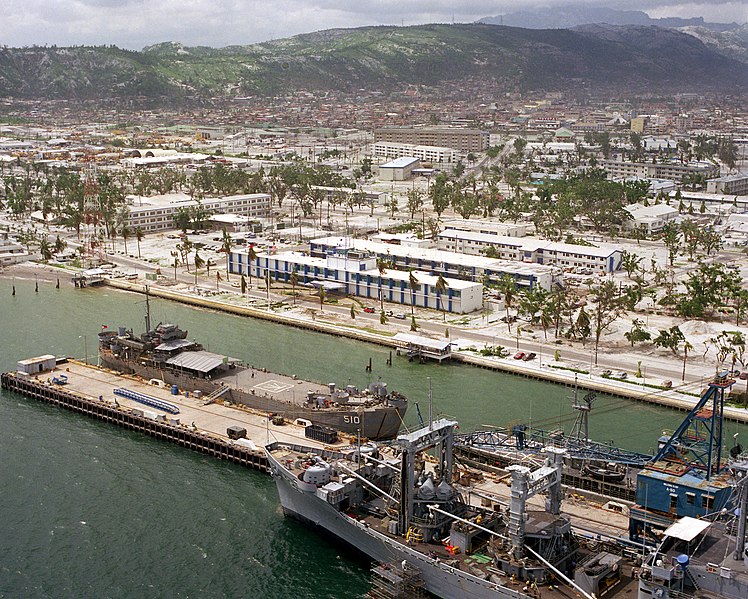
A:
(147, 400)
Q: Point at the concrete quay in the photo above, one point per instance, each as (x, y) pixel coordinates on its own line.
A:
(671, 398)
(90, 391)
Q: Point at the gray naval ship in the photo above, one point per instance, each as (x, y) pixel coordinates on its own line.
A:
(403, 511)
(401, 508)
(163, 353)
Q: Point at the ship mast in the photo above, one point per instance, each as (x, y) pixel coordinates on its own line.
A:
(147, 312)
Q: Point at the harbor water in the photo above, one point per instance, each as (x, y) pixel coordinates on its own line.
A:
(90, 510)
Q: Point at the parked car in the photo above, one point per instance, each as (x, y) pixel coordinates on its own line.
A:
(606, 372)
(519, 355)
(621, 375)
(369, 310)
(529, 356)
(389, 313)
(400, 315)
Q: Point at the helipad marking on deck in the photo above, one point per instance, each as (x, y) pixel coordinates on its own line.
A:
(273, 386)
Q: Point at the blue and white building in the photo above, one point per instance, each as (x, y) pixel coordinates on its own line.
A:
(599, 258)
(449, 264)
(356, 273)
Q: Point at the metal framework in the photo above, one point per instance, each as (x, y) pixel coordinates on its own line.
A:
(534, 441)
(698, 440)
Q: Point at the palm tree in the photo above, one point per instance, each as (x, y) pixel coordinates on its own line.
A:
(353, 310)
(251, 257)
(686, 348)
(199, 263)
(441, 287)
(60, 245)
(226, 248)
(508, 288)
(413, 284)
(139, 234)
(125, 232)
(321, 297)
(45, 249)
(175, 255)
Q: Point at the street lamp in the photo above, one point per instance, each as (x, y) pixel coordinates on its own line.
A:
(85, 348)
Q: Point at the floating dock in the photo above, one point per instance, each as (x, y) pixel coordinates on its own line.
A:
(96, 392)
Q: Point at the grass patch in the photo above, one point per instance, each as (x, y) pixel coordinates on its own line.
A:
(569, 368)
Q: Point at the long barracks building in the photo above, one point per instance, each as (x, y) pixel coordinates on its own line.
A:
(448, 264)
(356, 273)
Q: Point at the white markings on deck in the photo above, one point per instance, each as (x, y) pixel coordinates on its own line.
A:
(273, 386)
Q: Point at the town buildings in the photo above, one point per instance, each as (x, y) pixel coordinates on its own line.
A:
(425, 153)
(464, 140)
(448, 264)
(156, 213)
(600, 258)
(11, 251)
(729, 185)
(675, 171)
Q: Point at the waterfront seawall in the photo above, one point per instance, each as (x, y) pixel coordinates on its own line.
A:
(668, 398)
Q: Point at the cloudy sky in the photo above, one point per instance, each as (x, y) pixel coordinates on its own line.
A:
(137, 23)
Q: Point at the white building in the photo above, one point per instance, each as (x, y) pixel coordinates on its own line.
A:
(393, 149)
(156, 213)
(159, 158)
(652, 218)
(729, 185)
(675, 171)
(600, 258)
(723, 203)
(11, 251)
(448, 264)
(491, 227)
(398, 169)
(357, 274)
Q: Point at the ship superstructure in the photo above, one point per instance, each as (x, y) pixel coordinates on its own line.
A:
(164, 353)
(400, 507)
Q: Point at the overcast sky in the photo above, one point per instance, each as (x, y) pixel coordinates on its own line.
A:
(137, 23)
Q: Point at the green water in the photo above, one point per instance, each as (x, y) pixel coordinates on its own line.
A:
(89, 510)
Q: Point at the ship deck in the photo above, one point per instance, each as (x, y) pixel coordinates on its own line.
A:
(479, 561)
(279, 387)
(97, 383)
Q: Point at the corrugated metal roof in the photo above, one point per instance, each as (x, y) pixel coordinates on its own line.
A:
(200, 361)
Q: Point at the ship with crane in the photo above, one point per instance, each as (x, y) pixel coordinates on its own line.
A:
(687, 527)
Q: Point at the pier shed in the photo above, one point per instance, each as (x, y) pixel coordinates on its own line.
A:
(201, 363)
(421, 347)
(38, 364)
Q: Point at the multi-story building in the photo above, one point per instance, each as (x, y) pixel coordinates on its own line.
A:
(532, 250)
(356, 273)
(652, 218)
(157, 213)
(448, 264)
(729, 185)
(464, 140)
(11, 251)
(386, 149)
(675, 171)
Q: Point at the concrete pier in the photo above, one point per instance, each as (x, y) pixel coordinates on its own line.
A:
(90, 391)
